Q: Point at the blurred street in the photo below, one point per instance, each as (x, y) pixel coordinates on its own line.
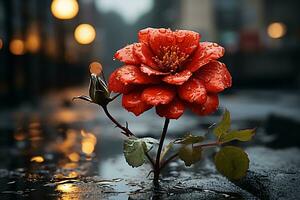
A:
(63, 149)
(54, 148)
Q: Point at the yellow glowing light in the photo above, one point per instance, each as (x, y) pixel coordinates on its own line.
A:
(38, 159)
(85, 34)
(74, 157)
(66, 188)
(17, 47)
(1, 43)
(88, 142)
(64, 9)
(96, 68)
(276, 30)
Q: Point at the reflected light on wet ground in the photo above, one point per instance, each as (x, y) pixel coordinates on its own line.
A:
(57, 153)
(88, 142)
(38, 159)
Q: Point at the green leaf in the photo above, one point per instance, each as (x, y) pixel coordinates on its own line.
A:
(223, 126)
(189, 154)
(149, 142)
(232, 162)
(189, 139)
(241, 135)
(166, 150)
(135, 149)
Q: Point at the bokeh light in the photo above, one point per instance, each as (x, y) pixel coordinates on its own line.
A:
(38, 159)
(33, 43)
(276, 30)
(88, 142)
(64, 9)
(85, 34)
(96, 68)
(74, 157)
(17, 47)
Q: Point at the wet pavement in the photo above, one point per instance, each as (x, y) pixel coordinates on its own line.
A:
(63, 150)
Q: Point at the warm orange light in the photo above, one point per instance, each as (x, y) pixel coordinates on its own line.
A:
(276, 30)
(19, 136)
(74, 157)
(17, 47)
(96, 68)
(33, 43)
(66, 188)
(1, 43)
(88, 142)
(64, 9)
(38, 159)
(85, 34)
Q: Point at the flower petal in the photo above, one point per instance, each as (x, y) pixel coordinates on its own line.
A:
(178, 78)
(150, 71)
(144, 54)
(215, 76)
(144, 35)
(193, 91)
(132, 74)
(172, 110)
(206, 52)
(158, 94)
(133, 103)
(159, 38)
(115, 85)
(208, 107)
(187, 41)
(126, 55)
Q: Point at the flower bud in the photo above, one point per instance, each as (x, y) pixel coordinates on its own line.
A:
(98, 91)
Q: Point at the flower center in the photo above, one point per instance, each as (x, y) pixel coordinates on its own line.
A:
(170, 58)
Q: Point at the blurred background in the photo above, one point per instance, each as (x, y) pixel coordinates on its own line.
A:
(41, 51)
(46, 48)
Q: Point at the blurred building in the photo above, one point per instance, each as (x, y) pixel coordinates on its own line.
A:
(38, 52)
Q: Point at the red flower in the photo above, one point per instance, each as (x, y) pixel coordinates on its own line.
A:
(170, 70)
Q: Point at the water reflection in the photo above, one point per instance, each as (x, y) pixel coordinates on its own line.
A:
(67, 190)
(88, 142)
(38, 159)
(59, 155)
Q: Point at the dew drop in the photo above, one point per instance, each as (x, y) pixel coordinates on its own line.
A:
(144, 31)
(162, 30)
(180, 38)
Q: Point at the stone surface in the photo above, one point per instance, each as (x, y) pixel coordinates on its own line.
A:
(46, 130)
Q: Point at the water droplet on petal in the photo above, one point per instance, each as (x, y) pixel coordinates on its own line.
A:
(144, 31)
(180, 38)
(162, 30)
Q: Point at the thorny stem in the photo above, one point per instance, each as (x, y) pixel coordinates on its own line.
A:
(166, 162)
(161, 143)
(125, 130)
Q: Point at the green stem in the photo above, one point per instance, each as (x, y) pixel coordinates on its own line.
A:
(161, 143)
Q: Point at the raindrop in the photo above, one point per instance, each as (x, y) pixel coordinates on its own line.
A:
(180, 38)
(162, 30)
(144, 31)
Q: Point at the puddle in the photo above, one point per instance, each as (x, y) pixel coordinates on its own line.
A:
(70, 154)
